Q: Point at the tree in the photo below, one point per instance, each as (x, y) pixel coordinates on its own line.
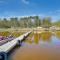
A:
(46, 22)
(14, 22)
(37, 21)
(57, 23)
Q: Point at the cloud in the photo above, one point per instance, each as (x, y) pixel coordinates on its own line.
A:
(57, 10)
(53, 17)
(25, 1)
(54, 12)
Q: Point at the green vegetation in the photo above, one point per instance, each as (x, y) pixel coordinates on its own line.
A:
(46, 22)
(6, 33)
(14, 34)
(57, 23)
(28, 22)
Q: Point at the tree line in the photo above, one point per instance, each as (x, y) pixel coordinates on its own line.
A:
(28, 22)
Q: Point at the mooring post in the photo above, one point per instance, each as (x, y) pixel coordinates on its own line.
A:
(19, 43)
(3, 56)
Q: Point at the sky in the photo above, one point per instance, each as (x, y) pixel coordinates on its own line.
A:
(20, 8)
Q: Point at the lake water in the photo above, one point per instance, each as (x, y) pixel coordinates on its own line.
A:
(42, 46)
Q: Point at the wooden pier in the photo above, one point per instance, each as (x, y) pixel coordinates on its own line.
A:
(4, 49)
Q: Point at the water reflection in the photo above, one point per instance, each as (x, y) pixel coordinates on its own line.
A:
(36, 38)
(55, 41)
(39, 46)
(44, 37)
(57, 34)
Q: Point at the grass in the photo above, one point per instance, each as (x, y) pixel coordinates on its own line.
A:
(13, 33)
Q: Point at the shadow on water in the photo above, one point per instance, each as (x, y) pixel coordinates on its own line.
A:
(12, 51)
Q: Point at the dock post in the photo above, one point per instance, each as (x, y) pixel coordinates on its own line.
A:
(19, 43)
(3, 56)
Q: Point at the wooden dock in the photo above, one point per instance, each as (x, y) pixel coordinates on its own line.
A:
(4, 49)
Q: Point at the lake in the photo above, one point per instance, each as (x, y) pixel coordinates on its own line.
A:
(39, 46)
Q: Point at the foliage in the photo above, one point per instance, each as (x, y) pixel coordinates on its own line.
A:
(27, 22)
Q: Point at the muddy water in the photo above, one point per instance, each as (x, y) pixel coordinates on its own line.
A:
(42, 46)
